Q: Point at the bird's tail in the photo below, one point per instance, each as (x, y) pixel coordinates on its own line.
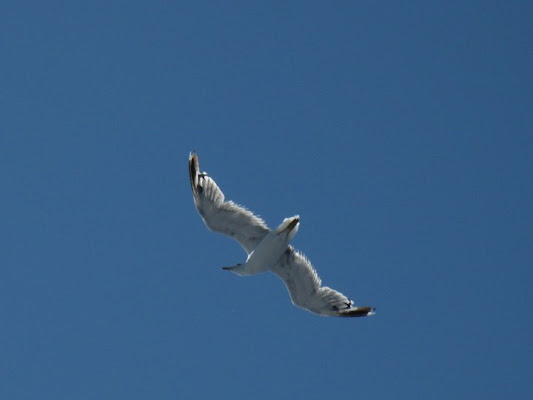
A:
(289, 224)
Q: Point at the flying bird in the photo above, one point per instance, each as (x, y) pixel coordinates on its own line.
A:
(268, 250)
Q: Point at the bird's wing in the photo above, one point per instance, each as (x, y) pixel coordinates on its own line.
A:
(305, 288)
(223, 216)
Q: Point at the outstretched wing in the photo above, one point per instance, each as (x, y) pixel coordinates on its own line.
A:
(305, 288)
(223, 216)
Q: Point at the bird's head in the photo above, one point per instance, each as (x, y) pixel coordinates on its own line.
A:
(237, 269)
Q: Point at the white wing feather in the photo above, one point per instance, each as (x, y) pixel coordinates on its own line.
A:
(222, 216)
(304, 286)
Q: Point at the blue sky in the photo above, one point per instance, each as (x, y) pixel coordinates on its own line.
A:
(401, 134)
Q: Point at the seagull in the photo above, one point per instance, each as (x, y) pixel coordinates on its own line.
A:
(268, 250)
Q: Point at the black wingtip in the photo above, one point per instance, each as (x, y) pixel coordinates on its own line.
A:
(363, 311)
(193, 168)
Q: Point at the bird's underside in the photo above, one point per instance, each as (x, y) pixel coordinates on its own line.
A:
(294, 269)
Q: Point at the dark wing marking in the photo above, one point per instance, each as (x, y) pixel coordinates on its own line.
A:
(222, 216)
(305, 288)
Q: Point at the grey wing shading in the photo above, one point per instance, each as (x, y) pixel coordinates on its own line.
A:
(222, 216)
(305, 288)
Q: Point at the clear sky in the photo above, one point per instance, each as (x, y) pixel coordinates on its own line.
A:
(400, 132)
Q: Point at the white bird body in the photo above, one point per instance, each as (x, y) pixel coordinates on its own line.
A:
(267, 253)
(268, 250)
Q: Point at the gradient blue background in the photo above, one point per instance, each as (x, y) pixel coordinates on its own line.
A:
(401, 133)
